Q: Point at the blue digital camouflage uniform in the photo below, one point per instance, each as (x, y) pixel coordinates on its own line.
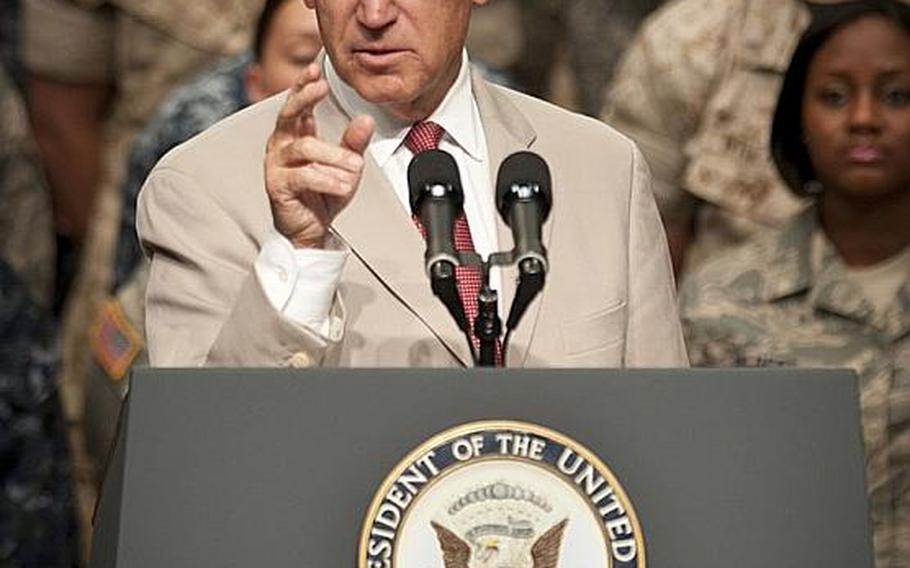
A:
(37, 524)
(776, 301)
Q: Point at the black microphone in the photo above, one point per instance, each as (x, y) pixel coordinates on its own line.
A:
(524, 199)
(436, 198)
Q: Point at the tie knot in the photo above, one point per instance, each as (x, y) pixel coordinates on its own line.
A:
(424, 136)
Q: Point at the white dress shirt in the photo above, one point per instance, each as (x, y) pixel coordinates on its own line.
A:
(301, 283)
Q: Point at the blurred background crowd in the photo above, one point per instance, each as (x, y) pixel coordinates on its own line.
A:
(778, 132)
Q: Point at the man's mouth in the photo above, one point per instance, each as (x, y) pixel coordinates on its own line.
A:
(378, 56)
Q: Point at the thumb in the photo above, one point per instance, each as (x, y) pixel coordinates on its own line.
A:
(358, 133)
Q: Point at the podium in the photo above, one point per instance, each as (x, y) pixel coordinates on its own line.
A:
(231, 468)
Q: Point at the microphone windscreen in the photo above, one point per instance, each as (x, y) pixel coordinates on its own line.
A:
(433, 169)
(520, 171)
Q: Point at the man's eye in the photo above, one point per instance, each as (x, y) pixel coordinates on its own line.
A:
(896, 97)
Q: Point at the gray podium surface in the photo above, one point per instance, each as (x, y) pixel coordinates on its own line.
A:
(233, 468)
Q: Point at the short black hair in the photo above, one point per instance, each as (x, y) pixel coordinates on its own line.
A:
(788, 147)
(264, 24)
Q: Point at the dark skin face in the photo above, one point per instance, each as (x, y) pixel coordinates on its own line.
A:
(856, 121)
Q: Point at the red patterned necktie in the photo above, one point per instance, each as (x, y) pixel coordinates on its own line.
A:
(426, 136)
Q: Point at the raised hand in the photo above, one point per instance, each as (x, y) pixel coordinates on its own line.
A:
(309, 180)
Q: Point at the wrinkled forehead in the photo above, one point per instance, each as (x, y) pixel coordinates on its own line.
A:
(352, 5)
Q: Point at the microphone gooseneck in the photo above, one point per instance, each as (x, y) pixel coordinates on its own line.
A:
(524, 199)
(436, 197)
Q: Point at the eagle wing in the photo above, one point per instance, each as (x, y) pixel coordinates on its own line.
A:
(455, 552)
(545, 552)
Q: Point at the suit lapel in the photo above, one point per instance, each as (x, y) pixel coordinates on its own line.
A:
(381, 234)
(508, 131)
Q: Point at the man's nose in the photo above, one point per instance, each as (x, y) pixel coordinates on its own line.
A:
(377, 14)
(865, 112)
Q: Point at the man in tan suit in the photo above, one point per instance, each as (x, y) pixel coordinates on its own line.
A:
(318, 262)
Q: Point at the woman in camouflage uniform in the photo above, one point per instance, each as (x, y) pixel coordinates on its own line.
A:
(832, 289)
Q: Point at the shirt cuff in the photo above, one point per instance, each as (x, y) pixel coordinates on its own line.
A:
(301, 283)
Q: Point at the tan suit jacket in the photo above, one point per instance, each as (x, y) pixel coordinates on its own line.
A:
(609, 299)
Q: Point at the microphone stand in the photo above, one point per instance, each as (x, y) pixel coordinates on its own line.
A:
(488, 325)
(524, 179)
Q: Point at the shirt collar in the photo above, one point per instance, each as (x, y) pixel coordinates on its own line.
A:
(457, 114)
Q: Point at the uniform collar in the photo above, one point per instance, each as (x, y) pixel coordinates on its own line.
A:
(795, 268)
(789, 271)
(457, 114)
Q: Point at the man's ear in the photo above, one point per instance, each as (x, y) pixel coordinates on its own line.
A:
(252, 83)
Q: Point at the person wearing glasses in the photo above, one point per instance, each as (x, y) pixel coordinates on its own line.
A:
(832, 287)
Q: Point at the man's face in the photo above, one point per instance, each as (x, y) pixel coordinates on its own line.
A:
(401, 54)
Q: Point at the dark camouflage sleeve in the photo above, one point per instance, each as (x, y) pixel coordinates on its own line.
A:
(37, 526)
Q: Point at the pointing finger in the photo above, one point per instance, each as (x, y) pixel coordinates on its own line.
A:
(298, 108)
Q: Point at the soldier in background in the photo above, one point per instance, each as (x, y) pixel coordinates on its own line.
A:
(696, 91)
(592, 34)
(37, 526)
(496, 39)
(96, 69)
(286, 41)
(832, 288)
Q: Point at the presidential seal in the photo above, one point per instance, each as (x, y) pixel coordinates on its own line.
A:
(501, 494)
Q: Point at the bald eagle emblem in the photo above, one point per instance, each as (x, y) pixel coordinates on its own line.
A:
(502, 525)
(457, 553)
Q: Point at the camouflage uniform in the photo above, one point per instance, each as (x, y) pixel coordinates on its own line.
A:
(495, 37)
(697, 91)
(141, 48)
(36, 507)
(780, 300)
(26, 223)
(591, 33)
(37, 526)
